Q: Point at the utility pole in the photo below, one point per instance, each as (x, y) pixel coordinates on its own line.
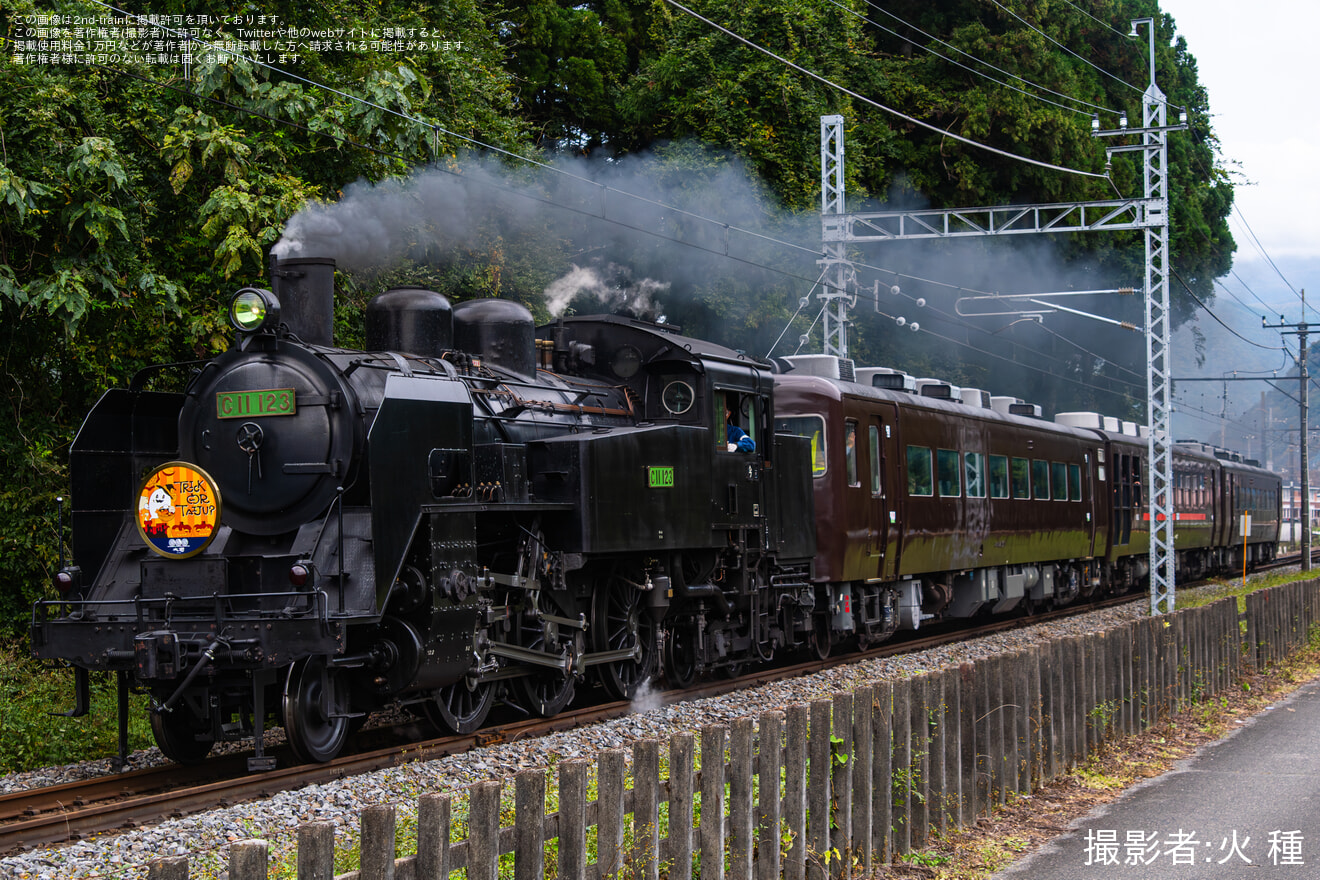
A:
(1300, 330)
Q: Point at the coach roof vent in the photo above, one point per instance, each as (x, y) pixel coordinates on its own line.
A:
(1025, 409)
(827, 366)
(938, 389)
(1080, 420)
(1000, 403)
(884, 377)
(975, 397)
(1130, 429)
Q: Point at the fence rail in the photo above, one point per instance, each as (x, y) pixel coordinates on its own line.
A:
(828, 789)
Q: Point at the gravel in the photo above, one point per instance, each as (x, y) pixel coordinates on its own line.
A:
(204, 837)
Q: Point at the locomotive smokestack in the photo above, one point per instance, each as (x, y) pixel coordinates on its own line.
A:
(305, 287)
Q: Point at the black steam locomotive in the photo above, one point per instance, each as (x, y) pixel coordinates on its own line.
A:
(467, 511)
(475, 510)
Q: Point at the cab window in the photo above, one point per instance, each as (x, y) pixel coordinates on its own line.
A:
(738, 410)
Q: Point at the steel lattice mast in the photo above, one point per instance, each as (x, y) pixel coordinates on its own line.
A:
(1150, 213)
(1154, 141)
(834, 291)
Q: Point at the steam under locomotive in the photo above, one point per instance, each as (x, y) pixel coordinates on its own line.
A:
(476, 510)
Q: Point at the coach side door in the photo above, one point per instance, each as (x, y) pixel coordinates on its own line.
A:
(879, 440)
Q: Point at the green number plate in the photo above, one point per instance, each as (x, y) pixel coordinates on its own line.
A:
(659, 477)
(246, 404)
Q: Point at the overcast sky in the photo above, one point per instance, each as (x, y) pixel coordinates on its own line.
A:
(1256, 62)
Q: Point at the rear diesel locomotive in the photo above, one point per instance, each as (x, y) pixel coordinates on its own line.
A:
(466, 513)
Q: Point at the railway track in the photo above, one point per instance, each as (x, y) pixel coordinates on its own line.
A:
(76, 810)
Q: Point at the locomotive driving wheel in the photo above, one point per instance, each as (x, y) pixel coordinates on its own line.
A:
(620, 622)
(182, 736)
(545, 691)
(681, 655)
(316, 720)
(461, 707)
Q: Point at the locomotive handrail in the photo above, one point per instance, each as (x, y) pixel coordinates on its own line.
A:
(140, 377)
(215, 603)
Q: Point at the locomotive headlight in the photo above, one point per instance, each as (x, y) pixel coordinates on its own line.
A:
(253, 309)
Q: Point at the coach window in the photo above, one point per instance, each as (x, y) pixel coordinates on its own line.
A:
(999, 476)
(975, 465)
(1040, 480)
(918, 468)
(811, 427)
(950, 480)
(1074, 482)
(1059, 478)
(850, 451)
(1021, 478)
(874, 446)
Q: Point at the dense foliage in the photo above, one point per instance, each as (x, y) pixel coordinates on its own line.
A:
(135, 197)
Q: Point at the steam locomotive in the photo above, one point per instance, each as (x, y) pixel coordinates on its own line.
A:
(475, 510)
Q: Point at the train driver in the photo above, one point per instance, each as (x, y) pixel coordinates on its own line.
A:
(736, 437)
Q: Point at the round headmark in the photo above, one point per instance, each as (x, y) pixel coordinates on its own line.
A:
(178, 509)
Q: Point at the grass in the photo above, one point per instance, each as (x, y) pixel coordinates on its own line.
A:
(31, 737)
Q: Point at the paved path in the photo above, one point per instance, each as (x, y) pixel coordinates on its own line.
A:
(1247, 806)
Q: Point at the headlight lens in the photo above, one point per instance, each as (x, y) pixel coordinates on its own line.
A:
(251, 310)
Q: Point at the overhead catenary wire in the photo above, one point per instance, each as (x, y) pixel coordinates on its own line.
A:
(1098, 21)
(802, 303)
(1034, 353)
(887, 109)
(545, 166)
(814, 252)
(1219, 320)
(1081, 58)
(1251, 232)
(876, 24)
